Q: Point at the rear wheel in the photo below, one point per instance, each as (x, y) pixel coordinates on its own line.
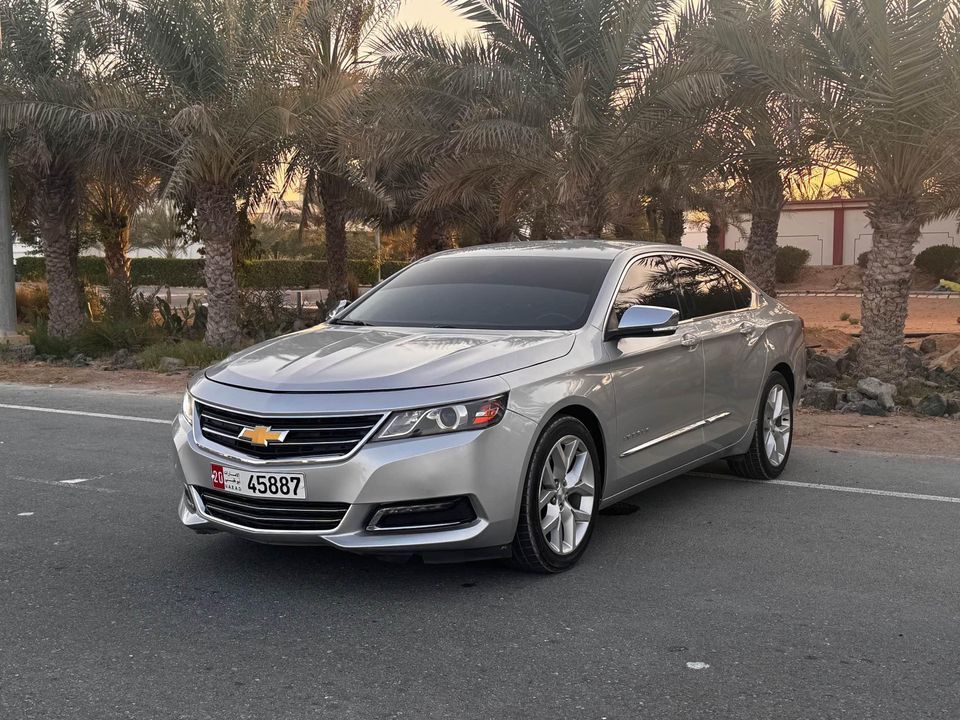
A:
(773, 436)
(560, 499)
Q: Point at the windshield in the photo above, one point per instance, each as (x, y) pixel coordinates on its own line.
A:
(477, 291)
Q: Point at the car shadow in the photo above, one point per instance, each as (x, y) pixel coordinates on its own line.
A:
(625, 527)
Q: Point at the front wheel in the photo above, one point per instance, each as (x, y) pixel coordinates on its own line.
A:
(560, 499)
(773, 436)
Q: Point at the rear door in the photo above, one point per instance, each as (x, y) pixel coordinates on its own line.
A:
(719, 305)
(658, 383)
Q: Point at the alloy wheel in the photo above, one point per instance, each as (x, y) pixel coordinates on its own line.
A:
(567, 493)
(776, 425)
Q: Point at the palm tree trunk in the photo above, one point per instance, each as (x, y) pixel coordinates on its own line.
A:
(56, 209)
(116, 243)
(429, 236)
(308, 186)
(760, 260)
(672, 225)
(538, 226)
(333, 197)
(767, 198)
(886, 287)
(217, 223)
(715, 230)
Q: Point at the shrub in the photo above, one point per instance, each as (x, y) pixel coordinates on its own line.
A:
(108, 335)
(47, 344)
(844, 316)
(32, 302)
(179, 272)
(862, 259)
(941, 261)
(193, 352)
(790, 261)
(734, 257)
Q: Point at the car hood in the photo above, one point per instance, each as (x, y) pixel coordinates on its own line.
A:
(332, 358)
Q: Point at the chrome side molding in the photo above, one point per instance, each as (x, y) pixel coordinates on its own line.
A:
(673, 434)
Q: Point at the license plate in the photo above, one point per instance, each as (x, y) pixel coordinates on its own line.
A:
(257, 484)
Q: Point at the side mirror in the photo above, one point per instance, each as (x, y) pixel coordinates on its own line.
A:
(646, 321)
(335, 313)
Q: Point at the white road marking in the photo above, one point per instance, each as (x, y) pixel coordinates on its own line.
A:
(698, 665)
(108, 416)
(74, 481)
(24, 514)
(835, 488)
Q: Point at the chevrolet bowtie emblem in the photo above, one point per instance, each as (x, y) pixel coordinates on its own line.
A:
(261, 435)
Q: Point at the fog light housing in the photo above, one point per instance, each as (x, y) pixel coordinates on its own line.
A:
(422, 515)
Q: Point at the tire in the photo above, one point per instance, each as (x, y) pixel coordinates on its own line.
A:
(761, 462)
(551, 535)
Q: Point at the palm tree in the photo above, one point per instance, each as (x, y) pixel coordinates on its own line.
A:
(329, 41)
(761, 136)
(49, 105)
(219, 70)
(567, 101)
(881, 80)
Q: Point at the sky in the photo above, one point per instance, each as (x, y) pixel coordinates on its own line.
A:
(433, 13)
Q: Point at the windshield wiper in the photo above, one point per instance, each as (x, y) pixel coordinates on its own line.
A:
(337, 321)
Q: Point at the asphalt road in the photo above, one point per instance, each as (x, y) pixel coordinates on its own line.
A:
(804, 601)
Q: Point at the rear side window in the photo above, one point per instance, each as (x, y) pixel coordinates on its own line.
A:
(647, 282)
(742, 294)
(703, 288)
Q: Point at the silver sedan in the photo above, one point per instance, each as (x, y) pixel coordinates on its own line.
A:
(488, 402)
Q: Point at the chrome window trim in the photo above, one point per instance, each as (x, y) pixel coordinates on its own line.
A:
(754, 292)
(203, 443)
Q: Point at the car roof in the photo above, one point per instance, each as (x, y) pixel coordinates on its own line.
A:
(582, 248)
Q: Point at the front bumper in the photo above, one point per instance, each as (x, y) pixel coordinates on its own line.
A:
(485, 466)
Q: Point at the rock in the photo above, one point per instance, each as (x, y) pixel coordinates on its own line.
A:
(822, 396)
(912, 359)
(122, 360)
(871, 407)
(19, 353)
(878, 390)
(928, 345)
(933, 404)
(821, 367)
(847, 361)
(170, 364)
(953, 406)
(80, 360)
(852, 396)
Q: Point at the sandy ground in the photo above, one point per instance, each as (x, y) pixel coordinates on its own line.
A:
(95, 378)
(897, 434)
(924, 315)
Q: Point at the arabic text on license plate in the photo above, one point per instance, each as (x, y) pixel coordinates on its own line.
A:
(275, 485)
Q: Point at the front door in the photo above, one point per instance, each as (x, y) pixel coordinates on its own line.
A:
(658, 383)
(719, 306)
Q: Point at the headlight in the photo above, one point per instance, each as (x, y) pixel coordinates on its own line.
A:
(474, 415)
(186, 407)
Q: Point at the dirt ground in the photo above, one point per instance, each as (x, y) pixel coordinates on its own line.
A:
(924, 315)
(844, 278)
(903, 435)
(895, 434)
(95, 377)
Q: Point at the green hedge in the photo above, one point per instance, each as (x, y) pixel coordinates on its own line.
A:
(189, 273)
(940, 261)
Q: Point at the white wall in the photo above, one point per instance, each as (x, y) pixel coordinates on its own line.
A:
(811, 228)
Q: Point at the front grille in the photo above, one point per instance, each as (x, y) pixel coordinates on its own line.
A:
(271, 514)
(306, 437)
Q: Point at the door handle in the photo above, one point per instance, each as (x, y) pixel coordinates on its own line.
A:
(747, 328)
(690, 340)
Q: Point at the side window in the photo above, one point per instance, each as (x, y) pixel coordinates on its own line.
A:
(742, 294)
(703, 289)
(647, 282)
